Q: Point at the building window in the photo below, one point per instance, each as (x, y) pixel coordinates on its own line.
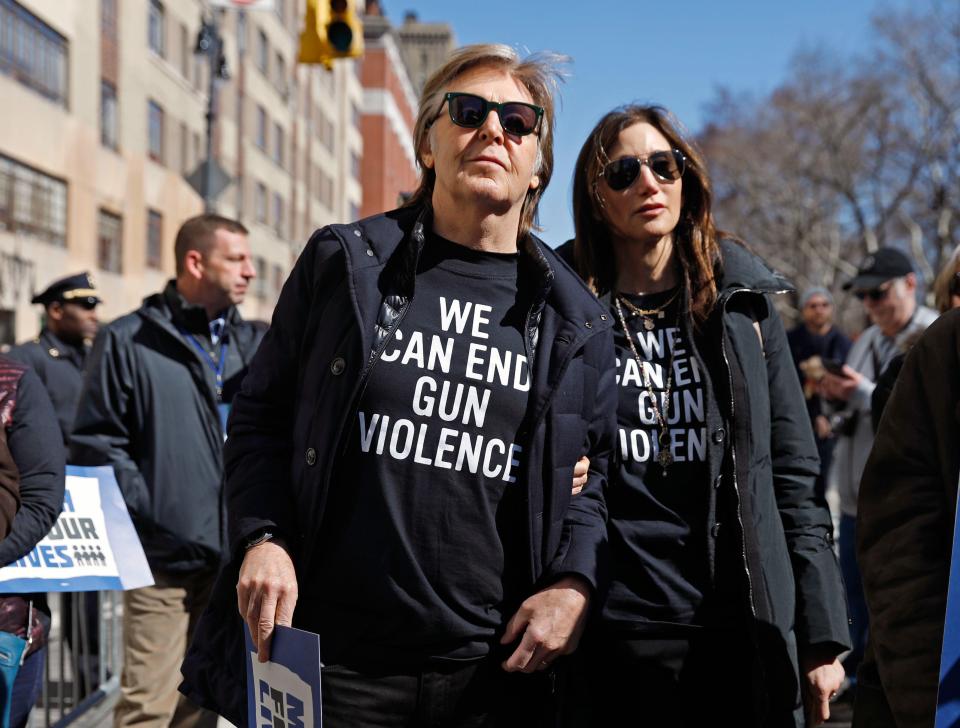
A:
(260, 202)
(184, 149)
(185, 51)
(110, 241)
(155, 131)
(263, 51)
(281, 71)
(108, 18)
(356, 115)
(278, 225)
(32, 202)
(32, 52)
(277, 279)
(156, 35)
(108, 114)
(278, 142)
(154, 236)
(261, 128)
(354, 212)
(355, 165)
(260, 282)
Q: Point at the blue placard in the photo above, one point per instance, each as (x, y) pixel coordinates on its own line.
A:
(93, 545)
(285, 690)
(948, 696)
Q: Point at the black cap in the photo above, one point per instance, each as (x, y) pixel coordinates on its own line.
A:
(878, 268)
(77, 288)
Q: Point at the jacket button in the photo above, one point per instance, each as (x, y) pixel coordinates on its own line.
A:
(603, 317)
(311, 456)
(369, 252)
(337, 366)
(717, 481)
(715, 530)
(718, 436)
(588, 325)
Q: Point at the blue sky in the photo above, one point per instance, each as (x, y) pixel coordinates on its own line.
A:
(672, 53)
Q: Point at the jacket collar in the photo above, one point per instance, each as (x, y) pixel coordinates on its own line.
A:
(738, 269)
(172, 312)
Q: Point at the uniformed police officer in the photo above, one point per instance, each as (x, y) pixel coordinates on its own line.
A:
(59, 353)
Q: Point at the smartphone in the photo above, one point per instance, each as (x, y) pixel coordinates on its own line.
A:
(834, 366)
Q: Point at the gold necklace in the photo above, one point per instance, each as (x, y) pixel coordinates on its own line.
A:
(663, 440)
(646, 314)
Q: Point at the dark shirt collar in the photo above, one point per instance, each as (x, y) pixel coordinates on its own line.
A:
(192, 317)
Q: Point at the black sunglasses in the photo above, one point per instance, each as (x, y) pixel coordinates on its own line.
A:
(874, 294)
(470, 111)
(621, 173)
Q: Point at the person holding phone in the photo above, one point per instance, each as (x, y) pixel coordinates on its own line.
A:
(724, 597)
(817, 346)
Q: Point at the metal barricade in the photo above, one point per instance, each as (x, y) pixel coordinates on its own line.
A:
(84, 658)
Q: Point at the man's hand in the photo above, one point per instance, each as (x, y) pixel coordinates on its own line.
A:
(266, 592)
(821, 426)
(550, 623)
(580, 471)
(840, 388)
(822, 679)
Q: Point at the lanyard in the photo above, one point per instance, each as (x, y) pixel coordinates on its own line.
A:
(215, 367)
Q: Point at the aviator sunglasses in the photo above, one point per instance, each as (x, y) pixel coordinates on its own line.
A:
(621, 173)
(470, 111)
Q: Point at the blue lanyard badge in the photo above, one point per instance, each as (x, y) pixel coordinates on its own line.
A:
(216, 367)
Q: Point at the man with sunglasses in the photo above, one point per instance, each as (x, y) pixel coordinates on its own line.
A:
(399, 461)
(59, 352)
(887, 286)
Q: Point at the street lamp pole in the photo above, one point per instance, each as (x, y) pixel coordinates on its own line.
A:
(210, 44)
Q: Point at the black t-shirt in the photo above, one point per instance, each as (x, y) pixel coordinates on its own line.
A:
(416, 555)
(657, 526)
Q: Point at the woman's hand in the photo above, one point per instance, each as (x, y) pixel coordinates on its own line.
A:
(580, 471)
(822, 679)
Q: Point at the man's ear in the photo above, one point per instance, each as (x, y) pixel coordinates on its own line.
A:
(193, 263)
(426, 150)
(55, 311)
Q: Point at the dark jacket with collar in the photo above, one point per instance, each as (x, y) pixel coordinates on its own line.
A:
(149, 408)
(763, 463)
(905, 526)
(60, 367)
(32, 436)
(340, 306)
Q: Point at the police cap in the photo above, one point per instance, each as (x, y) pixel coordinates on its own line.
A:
(77, 288)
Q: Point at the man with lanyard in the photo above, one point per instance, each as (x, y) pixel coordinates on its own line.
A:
(887, 285)
(160, 382)
(60, 351)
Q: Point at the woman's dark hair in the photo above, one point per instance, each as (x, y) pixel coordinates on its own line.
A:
(695, 237)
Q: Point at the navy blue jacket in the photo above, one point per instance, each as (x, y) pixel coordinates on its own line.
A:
(340, 306)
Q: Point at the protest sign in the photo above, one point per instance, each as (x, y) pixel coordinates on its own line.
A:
(93, 545)
(284, 692)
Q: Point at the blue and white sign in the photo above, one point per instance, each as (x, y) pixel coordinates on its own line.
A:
(948, 697)
(93, 545)
(284, 692)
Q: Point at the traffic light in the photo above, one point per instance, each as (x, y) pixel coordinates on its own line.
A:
(331, 30)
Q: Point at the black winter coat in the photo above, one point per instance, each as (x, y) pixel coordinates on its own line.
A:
(763, 463)
(149, 408)
(764, 478)
(35, 444)
(340, 306)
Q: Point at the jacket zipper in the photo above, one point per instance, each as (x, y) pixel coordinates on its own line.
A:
(733, 444)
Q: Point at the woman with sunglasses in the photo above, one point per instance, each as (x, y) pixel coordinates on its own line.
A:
(724, 597)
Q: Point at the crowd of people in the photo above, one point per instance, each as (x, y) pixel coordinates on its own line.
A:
(508, 484)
